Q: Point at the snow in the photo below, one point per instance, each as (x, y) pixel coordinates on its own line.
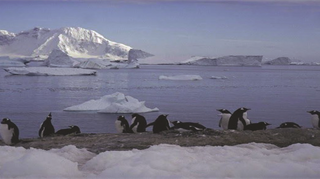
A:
(75, 41)
(7, 61)
(113, 103)
(181, 77)
(45, 71)
(164, 161)
(232, 60)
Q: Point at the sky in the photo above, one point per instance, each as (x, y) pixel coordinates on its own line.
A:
(176, 30)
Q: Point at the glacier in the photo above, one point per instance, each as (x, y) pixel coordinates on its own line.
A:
(231, 60)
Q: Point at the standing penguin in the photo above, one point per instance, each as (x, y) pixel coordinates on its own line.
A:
(122, 125)
(193, 126)
(257, 126)
(138, 123)
(225, 116)
(160, 124)
(46, 128)
(9, 132)
(315, 118)
(70, 130)
(238, 119)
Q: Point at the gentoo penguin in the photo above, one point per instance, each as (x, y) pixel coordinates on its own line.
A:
(122, 125)
(138, 123)
(188, 126)
(46, 128)
(225, 116)
(289, 125)
(9, 132)
(238, 120)
(256, 126)
(315, 118)
(160, 124)
(70, 130)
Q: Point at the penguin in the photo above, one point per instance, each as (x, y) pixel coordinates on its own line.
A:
(46, 128)
(9, 132)
(289, 125)
(160, 124)
(70, 130)
(315, 118)
(188, 126)
(138, 123)
(225, 116)
(238, 120)
(256, 126)
(122, 125)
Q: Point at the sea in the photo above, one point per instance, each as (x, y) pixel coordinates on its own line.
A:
(275, 94)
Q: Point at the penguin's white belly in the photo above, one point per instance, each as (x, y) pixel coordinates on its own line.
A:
(225, 121)
(135, 128)
(315, 121)
(240, 126)
(6, 134)
(118, 126)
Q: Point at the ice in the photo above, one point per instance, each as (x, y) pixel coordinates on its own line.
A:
(279, 61)
(232, 60)
(45, 71)
(251, 160)
(7, 61)
(219, 77)
(114, 103)
(181, 77)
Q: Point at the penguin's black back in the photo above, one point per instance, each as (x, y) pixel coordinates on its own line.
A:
(188, 126)
(46, 128)
(15, 135)
(71, 130)
(289, 125)
(234, 118)
(142, 122)
(160, 124)
(124, 123)
(256, 126)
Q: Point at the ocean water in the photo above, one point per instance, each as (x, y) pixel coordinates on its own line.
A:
(275, 94)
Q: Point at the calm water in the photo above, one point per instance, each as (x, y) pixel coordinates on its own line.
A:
(275, 94)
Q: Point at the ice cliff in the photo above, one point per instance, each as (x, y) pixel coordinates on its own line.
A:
(76, 42)
(279, 61)
(232, 60)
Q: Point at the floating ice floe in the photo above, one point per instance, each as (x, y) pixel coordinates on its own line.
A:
(164, 161)
(45, 71)
(219, 77)
(114, 103)
(181, 77)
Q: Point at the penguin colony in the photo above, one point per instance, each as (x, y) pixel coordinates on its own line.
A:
(237, 120)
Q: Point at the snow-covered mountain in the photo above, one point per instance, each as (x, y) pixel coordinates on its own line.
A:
(74, 41)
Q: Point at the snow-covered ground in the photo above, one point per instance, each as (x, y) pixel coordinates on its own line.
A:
(45, 71)
(113, 103)
(164, 161)
(181, 77)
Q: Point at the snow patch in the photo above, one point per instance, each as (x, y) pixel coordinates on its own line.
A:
(164, 161)
(114, 103)
(45, 71)
(181, 77)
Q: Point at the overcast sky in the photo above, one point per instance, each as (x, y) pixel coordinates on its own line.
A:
(177, 30)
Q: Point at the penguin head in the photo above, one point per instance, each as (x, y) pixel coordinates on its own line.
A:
(49, 117)
(244, 109)
(121, 118)
(224, 111)
(76, 129)
(5, 121)
(313, 112)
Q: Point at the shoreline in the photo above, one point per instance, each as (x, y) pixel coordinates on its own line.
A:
(102, 142)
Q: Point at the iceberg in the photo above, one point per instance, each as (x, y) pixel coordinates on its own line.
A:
(181, 77)
(279, 61)
(46, 71)
(8, 62)
(232, 60)
(114, 103)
